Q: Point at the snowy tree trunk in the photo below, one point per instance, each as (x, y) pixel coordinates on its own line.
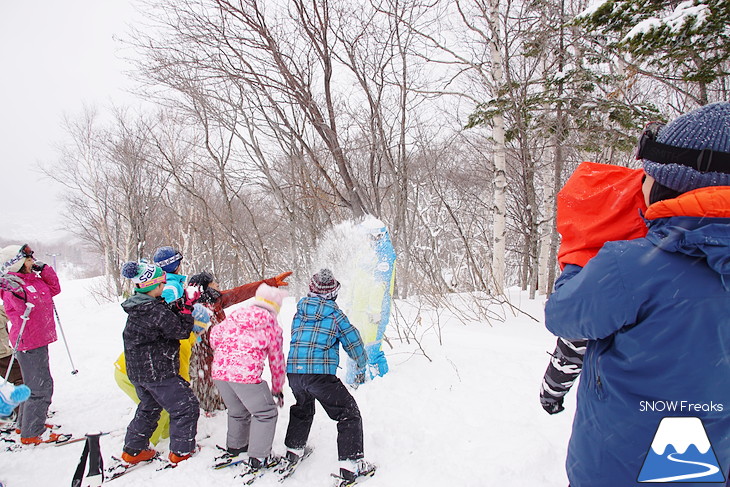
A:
(500, 164)
(551, 239)
(546, 230)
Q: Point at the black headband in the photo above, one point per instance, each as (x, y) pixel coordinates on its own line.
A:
(704, 160)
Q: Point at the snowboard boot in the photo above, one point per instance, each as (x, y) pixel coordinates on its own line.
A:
(133, 457)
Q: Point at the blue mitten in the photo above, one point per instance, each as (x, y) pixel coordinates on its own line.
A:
(377, 363)
(10, 396)
(200, 313)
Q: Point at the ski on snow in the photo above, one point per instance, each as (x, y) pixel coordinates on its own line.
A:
(283, 470)
(121, 468)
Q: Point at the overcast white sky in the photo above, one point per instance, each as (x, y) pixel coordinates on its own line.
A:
(54, 57)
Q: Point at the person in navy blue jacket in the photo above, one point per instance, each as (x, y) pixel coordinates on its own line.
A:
(318, 328)
(657, 313)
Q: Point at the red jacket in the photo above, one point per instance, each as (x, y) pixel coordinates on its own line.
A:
(599, 203)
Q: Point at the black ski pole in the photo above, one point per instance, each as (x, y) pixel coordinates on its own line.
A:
(74, 370)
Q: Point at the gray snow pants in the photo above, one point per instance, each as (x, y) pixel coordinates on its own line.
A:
(37, 376)
(252, 416)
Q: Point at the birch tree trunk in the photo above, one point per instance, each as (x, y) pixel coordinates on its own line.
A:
(547, 229)
(500, 162)
(550, 245)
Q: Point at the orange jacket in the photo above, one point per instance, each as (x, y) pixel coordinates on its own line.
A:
(710, 202)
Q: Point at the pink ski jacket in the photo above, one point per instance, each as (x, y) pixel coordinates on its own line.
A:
(242, 342)
(40, 330)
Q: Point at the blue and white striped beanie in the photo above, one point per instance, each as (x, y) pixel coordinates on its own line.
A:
(707, 127)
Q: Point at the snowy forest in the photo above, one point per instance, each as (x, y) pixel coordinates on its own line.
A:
(455, 122)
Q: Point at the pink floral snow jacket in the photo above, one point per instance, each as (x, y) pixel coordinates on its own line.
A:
(40, 287)
(242, 342)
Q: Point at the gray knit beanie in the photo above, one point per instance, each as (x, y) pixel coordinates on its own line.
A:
(707, 127)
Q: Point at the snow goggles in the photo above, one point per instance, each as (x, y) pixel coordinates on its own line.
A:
(26, 251)
(704, 160)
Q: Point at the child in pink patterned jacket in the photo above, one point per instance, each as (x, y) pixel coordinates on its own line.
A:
(240, 345)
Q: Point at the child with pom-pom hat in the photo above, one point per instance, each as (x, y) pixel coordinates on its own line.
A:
(152, 349)
(241, 343)
(169, 260)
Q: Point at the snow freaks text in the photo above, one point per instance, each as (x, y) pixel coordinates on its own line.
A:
(679, 406)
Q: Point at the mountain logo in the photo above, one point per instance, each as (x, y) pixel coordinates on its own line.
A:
(681, 452)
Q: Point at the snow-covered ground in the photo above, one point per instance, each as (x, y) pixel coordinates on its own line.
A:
(469, 417)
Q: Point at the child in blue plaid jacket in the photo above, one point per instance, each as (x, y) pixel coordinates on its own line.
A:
(318, 328)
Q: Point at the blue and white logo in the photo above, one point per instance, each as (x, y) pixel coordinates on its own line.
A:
(681, 452)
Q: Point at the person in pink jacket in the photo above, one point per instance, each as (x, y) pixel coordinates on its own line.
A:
(240, 346)
(40, 284)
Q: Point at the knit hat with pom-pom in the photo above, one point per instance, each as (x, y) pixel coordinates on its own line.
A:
(269, 298)
(324, 284)
(145, 276)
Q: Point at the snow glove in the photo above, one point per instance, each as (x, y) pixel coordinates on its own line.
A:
(377, 363)
(192, 294)
(201, 315)
(178, 306)
(552, 405)
(38, 266)
(279, 399)
(185, 304)
(10, 396)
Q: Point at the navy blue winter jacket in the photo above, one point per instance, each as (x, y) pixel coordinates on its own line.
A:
(657, 312)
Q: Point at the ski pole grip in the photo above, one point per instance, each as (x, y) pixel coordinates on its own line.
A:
(28, 308)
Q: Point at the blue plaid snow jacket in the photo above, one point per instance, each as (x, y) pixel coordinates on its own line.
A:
(319, 326)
